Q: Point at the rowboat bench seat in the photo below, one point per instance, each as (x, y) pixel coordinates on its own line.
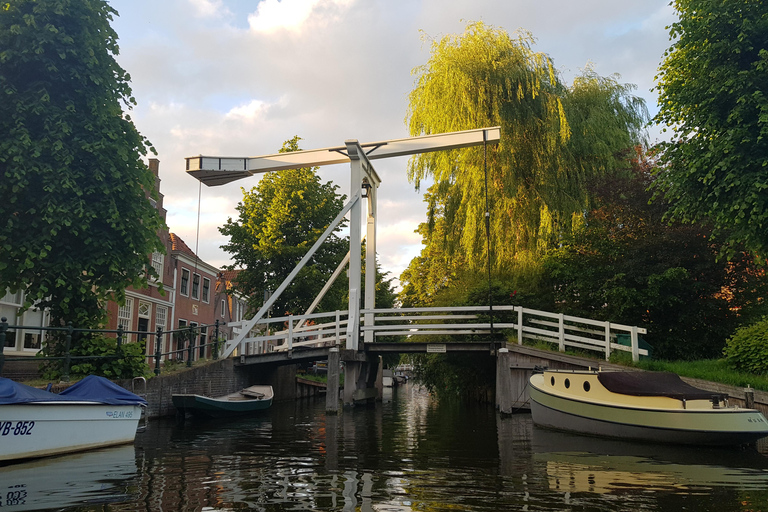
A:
(655, 384)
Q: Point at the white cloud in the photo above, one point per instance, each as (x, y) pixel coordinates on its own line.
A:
(248, 112)
(272, 15)
(209, 8)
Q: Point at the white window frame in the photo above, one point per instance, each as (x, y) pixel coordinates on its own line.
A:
(195, 290)
(161, 316)
(125, 313)
(158, 259)
(206, 292)
(184, 287)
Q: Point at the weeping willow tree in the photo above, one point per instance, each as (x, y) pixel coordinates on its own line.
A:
(555, 139)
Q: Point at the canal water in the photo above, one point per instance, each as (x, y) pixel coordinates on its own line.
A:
(409, 453)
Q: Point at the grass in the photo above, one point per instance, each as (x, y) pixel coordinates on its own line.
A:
(715, 370)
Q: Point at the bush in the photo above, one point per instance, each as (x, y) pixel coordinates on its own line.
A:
(747, 349)
(108, 361)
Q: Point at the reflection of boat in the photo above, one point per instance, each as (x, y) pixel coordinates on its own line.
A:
(587, 472)
(97, 476)
(648, 406)
(245, 401)
(92, 413)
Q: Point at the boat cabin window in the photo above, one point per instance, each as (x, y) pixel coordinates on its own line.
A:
(552, 381)
(567, 383)
(586, 386)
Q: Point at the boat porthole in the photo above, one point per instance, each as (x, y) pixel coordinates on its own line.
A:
(567, 383)
(552, 381)
(586, 386)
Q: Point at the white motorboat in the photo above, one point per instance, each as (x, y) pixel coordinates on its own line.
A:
(92, 413)
(648, 406)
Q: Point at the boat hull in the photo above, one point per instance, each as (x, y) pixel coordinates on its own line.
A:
(43, 429)
(726, 426)
(240, 403)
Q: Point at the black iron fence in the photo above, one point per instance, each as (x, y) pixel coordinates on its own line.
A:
(185, 339)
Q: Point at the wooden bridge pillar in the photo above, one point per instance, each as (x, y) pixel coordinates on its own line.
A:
(332, 389)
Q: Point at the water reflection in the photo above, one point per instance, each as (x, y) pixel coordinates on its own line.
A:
(94, 477)
(413, 454)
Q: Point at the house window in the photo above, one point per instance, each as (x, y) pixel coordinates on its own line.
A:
(33, 339)
(206, 289)
(223, 308)
(125, 313)
(196, 286)
(161, 314)
(195, 309)
(184, 289)
(157, 263)
(145, 309)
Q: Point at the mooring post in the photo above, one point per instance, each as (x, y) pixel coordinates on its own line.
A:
(332, 387)
(749, 398)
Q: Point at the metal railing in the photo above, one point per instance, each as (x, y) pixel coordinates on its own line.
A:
(186, 339)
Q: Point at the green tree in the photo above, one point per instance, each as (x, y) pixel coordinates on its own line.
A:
(279, 220)
(554, 138)
(77, 222)
(713, 95)
(626, 265)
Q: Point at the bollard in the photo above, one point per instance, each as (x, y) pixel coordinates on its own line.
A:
(158, 349)
(749, 398)
(3, 329)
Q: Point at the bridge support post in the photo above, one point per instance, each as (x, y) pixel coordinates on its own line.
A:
(511, 382)
(359, 379)
(332, 389)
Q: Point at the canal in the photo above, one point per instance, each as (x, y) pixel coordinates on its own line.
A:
(409, 453)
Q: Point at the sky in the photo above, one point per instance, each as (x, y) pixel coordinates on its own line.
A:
(239, 77)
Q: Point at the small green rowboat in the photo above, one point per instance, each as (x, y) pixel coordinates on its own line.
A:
(243, 402)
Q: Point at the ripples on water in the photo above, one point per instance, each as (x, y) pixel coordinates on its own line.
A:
(407, 454)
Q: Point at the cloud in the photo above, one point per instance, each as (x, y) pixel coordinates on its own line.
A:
(272, 15)
(209, 8)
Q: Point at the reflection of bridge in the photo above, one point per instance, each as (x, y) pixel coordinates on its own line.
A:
(338, 335)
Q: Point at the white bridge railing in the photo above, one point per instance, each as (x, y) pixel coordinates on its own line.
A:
(466, 323)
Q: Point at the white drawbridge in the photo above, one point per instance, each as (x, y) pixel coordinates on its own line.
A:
(364, 183)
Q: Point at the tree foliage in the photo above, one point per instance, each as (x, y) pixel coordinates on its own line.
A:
(279, 220)
(554, 139)
(626, 265)
(77, 225)
(713, 94)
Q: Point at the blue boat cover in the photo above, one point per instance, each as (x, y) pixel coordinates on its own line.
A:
(99, 389)
(15, 393)
(91, 388)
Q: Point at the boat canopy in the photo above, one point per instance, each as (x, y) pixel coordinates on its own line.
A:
(16, 393)
(654, 384)
(90, 389)
(99, 389)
